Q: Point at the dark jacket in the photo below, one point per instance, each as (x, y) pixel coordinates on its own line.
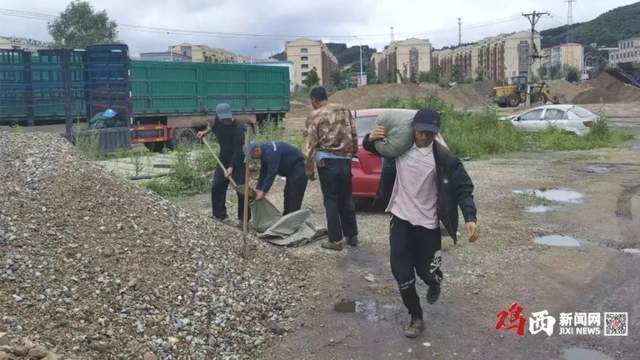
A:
(231, 140)
(279, 158)
(455, 188)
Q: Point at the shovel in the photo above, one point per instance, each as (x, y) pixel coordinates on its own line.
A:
(238, 188)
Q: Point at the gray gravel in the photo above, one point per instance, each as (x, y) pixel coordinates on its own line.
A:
(92, 266)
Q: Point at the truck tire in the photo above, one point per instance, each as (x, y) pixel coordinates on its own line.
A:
(155, 147)
(513, 100)
(185, 137)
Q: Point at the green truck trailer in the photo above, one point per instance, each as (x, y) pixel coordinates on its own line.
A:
(158, 103)
(174, 100)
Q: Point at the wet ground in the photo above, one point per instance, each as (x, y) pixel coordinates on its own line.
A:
(593, 198)
(590, 197)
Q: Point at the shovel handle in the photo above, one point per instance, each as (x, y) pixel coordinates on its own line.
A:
(233, 183)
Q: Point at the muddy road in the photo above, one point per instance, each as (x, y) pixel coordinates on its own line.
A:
(597, 207)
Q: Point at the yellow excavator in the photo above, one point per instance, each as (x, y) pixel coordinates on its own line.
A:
(516, 93)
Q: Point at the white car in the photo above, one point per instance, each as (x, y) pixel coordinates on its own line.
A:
(570, 118)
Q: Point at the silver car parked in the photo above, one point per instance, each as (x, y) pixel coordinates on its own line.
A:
(570, 118)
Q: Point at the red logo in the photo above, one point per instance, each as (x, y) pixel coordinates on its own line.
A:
(512, 318)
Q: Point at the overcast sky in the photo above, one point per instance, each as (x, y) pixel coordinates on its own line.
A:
(328, 20)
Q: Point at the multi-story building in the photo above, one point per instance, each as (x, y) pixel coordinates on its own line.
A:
(307, 55)
(570, 54)
(628, 52)
(203, 53)
(164, 56)
(496, 58)
(403, 60)
(23, 44)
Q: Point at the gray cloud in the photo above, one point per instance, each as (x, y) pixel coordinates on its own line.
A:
(330, 18)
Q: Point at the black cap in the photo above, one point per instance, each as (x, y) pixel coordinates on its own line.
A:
(427, 120)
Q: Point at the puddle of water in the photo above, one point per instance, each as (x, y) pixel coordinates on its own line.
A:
(557, 240)
(539, 209)
(584, 354)
(597, 170)
(632, 251)
(369, 309)
(560, 195)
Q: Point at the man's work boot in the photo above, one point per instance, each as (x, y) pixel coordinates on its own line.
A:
(352, 240)
(332, 245)
(414, 329)
(433, 293)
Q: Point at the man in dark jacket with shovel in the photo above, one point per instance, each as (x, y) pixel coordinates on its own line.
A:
(421, 188)
(230, 137)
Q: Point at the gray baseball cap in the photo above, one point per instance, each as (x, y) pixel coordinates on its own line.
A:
(223, 111)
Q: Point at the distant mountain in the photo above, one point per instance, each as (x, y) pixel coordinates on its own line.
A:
(346, 55)
(282, 56)
(350, 55)
(605, 30)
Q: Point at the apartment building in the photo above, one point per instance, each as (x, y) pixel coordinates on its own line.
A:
(203, 53)
(307, 55)
(403, 60)
(570, 54)
(628, 52)
(497, 58)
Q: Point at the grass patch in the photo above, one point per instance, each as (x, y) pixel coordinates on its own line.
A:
(188, 179)
(477, 134)
(275, 132)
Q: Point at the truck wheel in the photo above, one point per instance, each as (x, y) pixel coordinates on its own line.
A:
(155, 147)
(513, 101)
(185, 137)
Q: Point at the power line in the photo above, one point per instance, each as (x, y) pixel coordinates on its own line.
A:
(216, 34)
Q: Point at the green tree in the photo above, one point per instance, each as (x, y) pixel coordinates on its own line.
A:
(456, 73)
(573, 75)
(79, 26)
(338, 78)
(312, 79)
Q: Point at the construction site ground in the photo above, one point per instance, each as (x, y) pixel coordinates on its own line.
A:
(484, 278)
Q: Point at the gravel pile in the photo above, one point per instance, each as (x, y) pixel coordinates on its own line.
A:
(94, 267)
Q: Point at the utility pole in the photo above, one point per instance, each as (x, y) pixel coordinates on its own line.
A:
(459, 31)
(570, 11)
(569, 19)
(533, 18)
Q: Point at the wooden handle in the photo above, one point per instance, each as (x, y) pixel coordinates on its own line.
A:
(233, 183)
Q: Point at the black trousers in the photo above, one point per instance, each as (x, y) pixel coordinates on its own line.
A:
(414, 249)
(219, 192)
(335, 182)
(294, 189)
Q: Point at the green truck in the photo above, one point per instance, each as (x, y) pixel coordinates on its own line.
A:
(159, 103)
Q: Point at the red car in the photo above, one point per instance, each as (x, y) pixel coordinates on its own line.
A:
(367, 167)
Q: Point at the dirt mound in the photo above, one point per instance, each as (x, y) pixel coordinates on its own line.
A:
(460, 96)
(564, 90)
(468, 95)
(372, 96)
(606, 88)
(94, 267)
